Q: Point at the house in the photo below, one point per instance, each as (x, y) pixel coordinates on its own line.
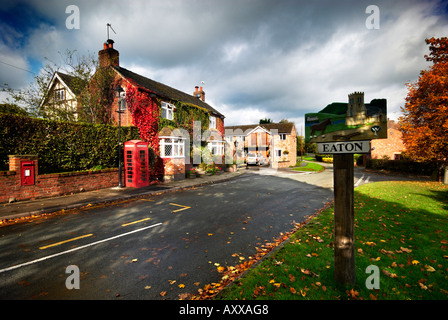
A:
(60, 102)
(390, 148)
(164, 115)
(277, 142)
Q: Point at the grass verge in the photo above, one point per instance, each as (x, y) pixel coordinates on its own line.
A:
(311, 166)
(400, 227)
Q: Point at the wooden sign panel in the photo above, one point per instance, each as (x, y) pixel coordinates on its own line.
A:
(362, 146)
(352, 121)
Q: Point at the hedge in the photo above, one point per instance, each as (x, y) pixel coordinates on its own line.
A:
(61, 146)
(405, 166)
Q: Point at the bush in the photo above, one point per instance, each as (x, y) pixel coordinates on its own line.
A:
(405, 166)
(61, 146)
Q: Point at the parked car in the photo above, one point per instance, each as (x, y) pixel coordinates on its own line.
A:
(257, 159)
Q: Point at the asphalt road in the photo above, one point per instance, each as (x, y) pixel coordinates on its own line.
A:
(159, 247)
(139, 249)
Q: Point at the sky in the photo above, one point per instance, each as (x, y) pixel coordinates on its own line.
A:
(255, 59)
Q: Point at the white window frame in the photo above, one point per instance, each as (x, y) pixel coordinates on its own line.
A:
(176, 144)
(212, 122)
(282, 136)
(169, 110)
(278, 153)
(59, 95)
(216, 148)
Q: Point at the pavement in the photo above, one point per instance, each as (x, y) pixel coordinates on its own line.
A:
(29, 208)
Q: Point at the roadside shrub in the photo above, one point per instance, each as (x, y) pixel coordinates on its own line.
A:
(405, 166)
(61, 146)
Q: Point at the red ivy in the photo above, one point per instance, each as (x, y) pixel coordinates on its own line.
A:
(145, 116)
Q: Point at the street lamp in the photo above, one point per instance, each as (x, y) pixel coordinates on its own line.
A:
(120, 93)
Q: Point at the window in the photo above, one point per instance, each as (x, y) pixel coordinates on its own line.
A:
(282, 136)
(212, 122)
(171, 147)
(216, 148)
(59, 95)
(167, 111)
(278, 153)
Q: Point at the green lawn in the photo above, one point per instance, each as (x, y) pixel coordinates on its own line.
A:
(311, 166)
(400, 227)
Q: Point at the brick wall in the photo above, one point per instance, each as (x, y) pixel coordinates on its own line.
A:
(389, 147)
(56, 184)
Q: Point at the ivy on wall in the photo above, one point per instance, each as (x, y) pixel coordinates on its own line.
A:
(147, 116)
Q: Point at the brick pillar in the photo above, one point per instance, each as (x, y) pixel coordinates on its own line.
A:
(14, 162)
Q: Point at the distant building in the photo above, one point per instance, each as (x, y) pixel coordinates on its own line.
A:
(277, 142)
(390, 148)
(60, 101)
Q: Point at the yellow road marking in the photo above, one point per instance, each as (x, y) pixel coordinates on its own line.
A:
(129, 223)
(147, 200)
(179, 205)
(65, 241)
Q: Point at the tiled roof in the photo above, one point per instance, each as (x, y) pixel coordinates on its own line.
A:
(165, 91)
(74, 83)
(284, 127)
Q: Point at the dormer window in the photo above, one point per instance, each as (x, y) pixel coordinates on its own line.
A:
(167, 111)
(59, 95)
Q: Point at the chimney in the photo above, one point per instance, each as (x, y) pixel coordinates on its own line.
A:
(109, 56)
(199, 93)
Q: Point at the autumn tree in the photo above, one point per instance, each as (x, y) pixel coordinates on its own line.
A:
(424, 123)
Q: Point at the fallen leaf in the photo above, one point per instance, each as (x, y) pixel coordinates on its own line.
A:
(429, 268)
(422, 286)
(171, 281)
(181, 285)
(292, 290)
(406, 250)
(415, 262)
(147, 287)
(163, 293)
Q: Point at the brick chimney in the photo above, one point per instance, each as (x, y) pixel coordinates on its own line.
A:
(199, 93)
(109, 56)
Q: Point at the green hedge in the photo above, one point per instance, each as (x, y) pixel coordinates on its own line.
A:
(61, 146)
(405, 166)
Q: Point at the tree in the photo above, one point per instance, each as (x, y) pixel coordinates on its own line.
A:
(265, 121)
(424, 123)
(90, 84)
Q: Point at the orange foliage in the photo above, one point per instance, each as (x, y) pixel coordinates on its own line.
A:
(424, 123)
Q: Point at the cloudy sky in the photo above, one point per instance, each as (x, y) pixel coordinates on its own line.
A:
(258, 58)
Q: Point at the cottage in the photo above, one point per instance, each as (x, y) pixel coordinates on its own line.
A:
(277, 142)
(165, 116)
(61, 99)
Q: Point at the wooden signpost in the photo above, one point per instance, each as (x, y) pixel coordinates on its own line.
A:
(343, 130)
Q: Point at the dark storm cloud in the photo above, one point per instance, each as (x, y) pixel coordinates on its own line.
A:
(274, 59)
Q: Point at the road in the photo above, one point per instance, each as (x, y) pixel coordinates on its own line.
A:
(158, 247)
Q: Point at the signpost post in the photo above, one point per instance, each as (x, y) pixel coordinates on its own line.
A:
(344, 217)
(343, 130)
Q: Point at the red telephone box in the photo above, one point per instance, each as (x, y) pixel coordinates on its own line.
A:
(136, 163)
(27, 173)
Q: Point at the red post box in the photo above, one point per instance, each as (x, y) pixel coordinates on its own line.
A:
(136, 163)
(27, 173)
